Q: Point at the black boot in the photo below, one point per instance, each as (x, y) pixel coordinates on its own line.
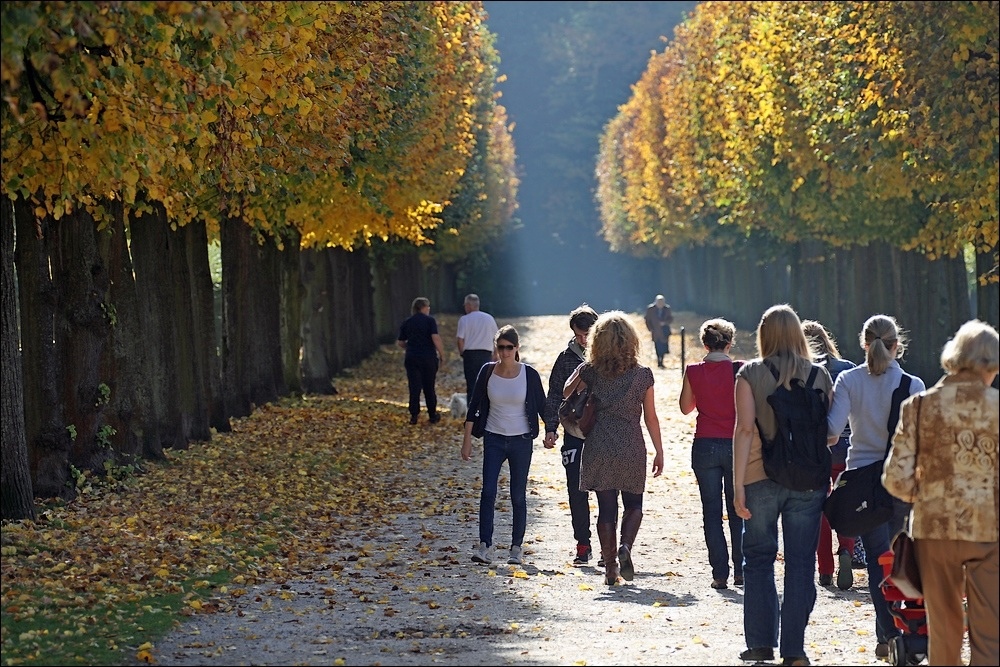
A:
(607, 532)
(630, 528)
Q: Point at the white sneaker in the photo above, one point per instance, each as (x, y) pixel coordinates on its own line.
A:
(483, 554)
(515, 555)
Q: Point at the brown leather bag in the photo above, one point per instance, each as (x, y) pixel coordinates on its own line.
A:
(905, 574)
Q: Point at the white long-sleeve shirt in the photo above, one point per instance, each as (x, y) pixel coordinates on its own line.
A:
(864, 401)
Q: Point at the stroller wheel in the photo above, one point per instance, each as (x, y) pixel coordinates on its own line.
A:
(897, 651)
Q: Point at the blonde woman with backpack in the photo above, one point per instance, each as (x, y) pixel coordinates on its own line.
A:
(762, 502)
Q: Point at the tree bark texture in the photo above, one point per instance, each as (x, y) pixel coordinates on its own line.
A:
(151, 258)
(292, 294)
(124, 366)
(16, 495)
(45, 431)
(82, 324)
(251, 352)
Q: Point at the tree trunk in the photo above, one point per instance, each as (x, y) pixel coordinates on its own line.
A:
(987, 295)
(83, 325)
(207, 360)
(153, 274)
(45, 431)
(16, 499)
(292, 295)
(315, 367)
(251, 353)
(124, 367)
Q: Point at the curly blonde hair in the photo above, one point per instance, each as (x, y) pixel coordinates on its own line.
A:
(614, 344)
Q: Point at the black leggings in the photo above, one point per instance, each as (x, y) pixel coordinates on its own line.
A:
(607, 504)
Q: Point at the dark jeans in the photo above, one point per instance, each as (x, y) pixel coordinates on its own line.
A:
(516, 450)
(420, 375)
(579, 501)
(763, 616)
(472, 363)
(876, 542)
(712, 462)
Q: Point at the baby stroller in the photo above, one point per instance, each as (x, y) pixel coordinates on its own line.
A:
(909, 615)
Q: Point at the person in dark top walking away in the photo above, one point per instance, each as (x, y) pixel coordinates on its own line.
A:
(418, 335)
(658, 319)
(474, 337)
(709, 387)
(826, 353)
(580, 321)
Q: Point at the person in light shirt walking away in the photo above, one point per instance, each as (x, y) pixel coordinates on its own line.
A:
(474, 338)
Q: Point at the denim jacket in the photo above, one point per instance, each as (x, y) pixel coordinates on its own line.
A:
(479, 402)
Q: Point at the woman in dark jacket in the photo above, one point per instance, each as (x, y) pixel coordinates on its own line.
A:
(506, 404)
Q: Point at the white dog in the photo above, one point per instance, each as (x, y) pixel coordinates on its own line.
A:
(459, 406)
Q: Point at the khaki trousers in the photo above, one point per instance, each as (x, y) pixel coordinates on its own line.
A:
(953, 570)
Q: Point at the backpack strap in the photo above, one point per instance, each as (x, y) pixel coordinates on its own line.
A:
(899, 395)
(774, 372)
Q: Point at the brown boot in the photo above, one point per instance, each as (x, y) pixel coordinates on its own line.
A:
(630, 528)
(607, 532)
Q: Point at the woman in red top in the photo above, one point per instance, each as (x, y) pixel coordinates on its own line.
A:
(709, 388)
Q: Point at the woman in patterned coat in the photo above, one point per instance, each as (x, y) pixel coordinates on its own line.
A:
(614, 452)
(944, 461)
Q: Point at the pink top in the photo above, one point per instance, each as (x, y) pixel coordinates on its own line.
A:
(713, 384)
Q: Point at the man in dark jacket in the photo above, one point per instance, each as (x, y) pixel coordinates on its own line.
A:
(580, 321)
(658, 319)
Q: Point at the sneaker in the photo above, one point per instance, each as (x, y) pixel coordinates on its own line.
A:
(845, 572)
(583, 553)
(515, 555)
(759, 653)
(826, 580)
(882, 649)
(483, 554)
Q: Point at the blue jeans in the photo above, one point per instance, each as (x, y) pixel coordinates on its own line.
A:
(516, 450)
(876, 542)
(712, 462)
(799, 512)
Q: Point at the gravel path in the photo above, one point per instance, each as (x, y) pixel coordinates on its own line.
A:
(408, 594)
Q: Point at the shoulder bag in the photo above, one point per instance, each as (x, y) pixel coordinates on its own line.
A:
(577, 410)
(859, 502)
(905, 573)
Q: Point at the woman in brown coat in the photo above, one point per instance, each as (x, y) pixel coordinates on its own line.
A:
(944, 461)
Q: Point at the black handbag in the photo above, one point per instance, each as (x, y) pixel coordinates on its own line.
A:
(859, 502)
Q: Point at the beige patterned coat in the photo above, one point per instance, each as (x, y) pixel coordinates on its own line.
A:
(953, 480)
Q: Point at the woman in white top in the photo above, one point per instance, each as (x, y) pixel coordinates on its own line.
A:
(506, 405)
(862, 396)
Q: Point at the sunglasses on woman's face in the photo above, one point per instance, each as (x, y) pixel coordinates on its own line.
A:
(506, 347)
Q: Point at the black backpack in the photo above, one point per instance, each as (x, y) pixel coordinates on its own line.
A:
(798, 457)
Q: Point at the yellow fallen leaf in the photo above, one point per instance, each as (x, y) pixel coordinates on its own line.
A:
(520, 574)
(586, 587)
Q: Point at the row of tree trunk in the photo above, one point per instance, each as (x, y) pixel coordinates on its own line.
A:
(117, 344)
(839, 287)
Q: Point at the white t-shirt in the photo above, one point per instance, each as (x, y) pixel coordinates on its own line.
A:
(477, 329)
(507, 396)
